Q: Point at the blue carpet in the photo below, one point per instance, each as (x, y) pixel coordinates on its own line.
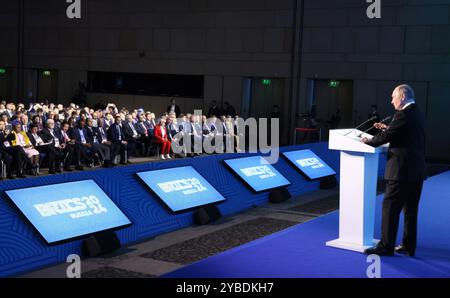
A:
(300, 251)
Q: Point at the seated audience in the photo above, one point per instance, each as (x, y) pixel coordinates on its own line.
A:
(58, 136)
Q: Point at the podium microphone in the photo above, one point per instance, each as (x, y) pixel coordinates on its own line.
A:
(370, 119)
(384, 120)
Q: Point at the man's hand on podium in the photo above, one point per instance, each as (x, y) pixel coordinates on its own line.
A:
(364, 140)
(380, 125)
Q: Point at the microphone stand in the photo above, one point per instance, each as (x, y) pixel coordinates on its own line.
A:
(385, 119)
(370, 119)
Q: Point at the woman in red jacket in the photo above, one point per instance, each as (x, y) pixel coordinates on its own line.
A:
(161, 138)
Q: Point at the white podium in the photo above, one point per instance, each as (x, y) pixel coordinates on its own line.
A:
(357, 189)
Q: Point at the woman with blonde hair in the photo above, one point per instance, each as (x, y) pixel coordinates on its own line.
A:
(18, 137)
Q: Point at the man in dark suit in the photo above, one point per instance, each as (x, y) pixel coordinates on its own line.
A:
(102, 131)
(117, 138)
(131, 135)
(173, 108)
(150, 123)
(24, 120)
(101, 134)
(45, 145)
(214, 110)
(196, 135)
(80, 135)
(146, 137)
(62, 151)
(229, 109)
(66, 144)
(405, 172)
(172, 128)
(7, 160)
(6, 153)
(96, 141)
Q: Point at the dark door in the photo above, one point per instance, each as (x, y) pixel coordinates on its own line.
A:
(333, 100)
(47, 85)
(4, 84)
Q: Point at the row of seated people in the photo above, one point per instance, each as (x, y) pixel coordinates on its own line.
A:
(198, 128)
(64, 145)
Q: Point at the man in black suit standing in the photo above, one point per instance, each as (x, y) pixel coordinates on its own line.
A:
(173, 108)
(214, 110)
(405, 172)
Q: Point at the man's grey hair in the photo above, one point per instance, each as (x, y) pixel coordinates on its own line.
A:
(50, 121)
(407, 91)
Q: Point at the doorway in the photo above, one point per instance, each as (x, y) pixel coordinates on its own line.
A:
(259, 98)
(47, 85)
(265, 94)
(4, 84)
(332, 102)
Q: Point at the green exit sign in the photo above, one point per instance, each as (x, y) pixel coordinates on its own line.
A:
(2, 70)
(47, 73)
(266, 82)
(334, 84)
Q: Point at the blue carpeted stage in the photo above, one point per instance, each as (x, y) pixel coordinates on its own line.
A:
(300, 251)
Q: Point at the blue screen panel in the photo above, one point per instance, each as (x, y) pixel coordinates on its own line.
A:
(68, 210)
(309, 163)
(257, 172)
(181, 188)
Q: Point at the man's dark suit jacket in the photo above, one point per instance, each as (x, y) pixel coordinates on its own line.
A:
(33, 140)
(406, 138)
(3, 139)
(47, 136)
(172, 130)
(128, 131)
(140, 130)
(91, 134)
(99, 135)
(113, 134)
(177, 110)
(77, 135)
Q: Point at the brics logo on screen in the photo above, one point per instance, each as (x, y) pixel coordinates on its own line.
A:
(74, 207)
(186, 186)
(262, 171)
(313, 163)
